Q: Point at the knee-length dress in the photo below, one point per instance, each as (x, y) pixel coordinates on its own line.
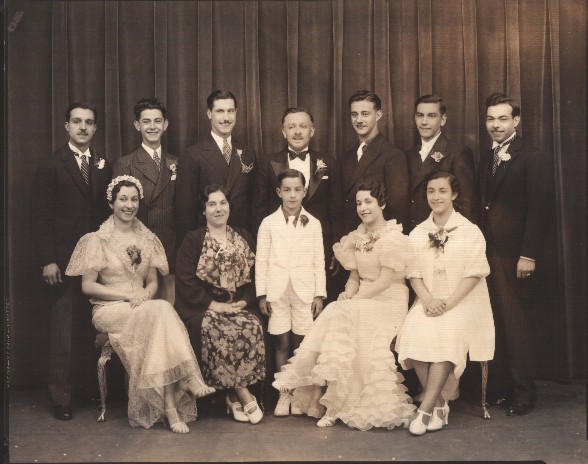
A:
(150, 339)
(230, 346)
(348, 346)
(469, 326)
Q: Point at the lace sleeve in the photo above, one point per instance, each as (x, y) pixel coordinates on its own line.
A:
(87, 256)
(345, 252)
(392, 251)
(158, 258)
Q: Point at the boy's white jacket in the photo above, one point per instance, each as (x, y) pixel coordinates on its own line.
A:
(285, 253)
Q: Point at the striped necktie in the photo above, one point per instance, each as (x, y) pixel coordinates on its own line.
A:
(157, 159)
(227, 151)
(85, 168)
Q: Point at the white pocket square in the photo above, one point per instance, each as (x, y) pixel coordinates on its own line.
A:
(325, 177)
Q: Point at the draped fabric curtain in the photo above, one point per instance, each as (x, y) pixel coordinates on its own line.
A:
(276, 54)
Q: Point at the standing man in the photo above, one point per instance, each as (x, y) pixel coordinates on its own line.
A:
(437, 151)
(372, 157)
(323, 181)
(216, 159)
(156, 170)
(516, 206)
(69, 200)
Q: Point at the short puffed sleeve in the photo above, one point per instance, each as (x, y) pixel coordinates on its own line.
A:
(392, 251)
(158, 259)
(476, 263)
(87, 256)
(415, 250)
(345, 252)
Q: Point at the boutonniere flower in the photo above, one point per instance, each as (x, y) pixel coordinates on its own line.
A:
(365, 244)
(174, 171)
(439, 239)
(303, 220)
(135, 254)
(321, 166)
(100, 163)
(437, 156)
(504, 156)
(244, 168)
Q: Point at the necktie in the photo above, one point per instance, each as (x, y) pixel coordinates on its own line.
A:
(496, 157)
(85, 168)
(295, 154)
(361, 150)
(157, 159)
(227, 151)
(291, 221)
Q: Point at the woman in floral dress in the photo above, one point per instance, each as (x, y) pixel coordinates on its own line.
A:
(216, 300)
(348, 346)
(118, 265)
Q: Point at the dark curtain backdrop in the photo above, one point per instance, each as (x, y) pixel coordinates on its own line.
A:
(275, 54)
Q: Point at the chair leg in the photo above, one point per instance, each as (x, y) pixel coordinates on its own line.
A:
(485, 410)
(104, 358)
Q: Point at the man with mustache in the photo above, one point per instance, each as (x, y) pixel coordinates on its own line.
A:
(157, 171)
(373, 157)
(68, 201)
(517, 204)
(217, 158)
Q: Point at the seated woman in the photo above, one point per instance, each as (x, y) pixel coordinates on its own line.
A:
(452, 314)
(216, 300)
(348, 346)
(118, 267)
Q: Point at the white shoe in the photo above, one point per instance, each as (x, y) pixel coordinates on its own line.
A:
(326, 421)
(237, 409)
(436, 422)
(417, 426)
(283, 406)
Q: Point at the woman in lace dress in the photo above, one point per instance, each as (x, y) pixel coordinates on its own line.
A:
(216, 300)
(452, 314)
(348, 346)
(118, 265)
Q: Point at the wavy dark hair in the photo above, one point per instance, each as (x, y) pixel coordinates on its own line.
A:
(206, 191)
(376, 189)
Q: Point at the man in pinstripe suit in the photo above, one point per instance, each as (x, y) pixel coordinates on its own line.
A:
(156, 170)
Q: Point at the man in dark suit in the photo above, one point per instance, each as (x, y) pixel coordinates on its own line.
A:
(436, 151)
(215, 159)
(69, 200)
(516, 203)
(372, 157)
(156, 170)
(323, 180)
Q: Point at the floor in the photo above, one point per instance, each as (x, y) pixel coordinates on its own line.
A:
(555, 432)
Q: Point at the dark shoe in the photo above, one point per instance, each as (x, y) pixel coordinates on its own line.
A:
(519, 409)
(62, 413)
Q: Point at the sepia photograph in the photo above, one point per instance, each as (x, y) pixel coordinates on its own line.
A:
(294, 231)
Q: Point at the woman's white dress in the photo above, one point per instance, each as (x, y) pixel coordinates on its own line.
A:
(150, 339)
(469, 326)
(348, 346)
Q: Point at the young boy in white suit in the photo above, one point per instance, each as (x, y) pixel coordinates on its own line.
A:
(290, 275)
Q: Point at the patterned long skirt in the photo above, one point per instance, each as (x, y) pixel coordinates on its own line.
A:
(233, 351)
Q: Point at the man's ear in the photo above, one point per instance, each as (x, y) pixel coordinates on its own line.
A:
(137, 125)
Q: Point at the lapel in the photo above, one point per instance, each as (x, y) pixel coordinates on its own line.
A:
(164, 175)
(283, 229)
(280, 162)
(234, 166)
(370, 155)
(71, 166)
(213, 156)
(429, 164)
(94, 175)
(315, 177)
(414, 160)
(505, 166)
(146, 165)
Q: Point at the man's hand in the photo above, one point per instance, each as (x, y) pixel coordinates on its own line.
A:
(264, 306)
(525, 268)
(334, 266)
(317, 306)
(52, 274)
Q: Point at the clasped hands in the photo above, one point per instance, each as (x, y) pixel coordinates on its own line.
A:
(138, 297)
(228, 308)
(435, 307)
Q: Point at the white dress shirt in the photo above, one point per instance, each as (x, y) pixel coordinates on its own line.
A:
(220, 141)
(79, 152)
(299, 165)
(427, 146)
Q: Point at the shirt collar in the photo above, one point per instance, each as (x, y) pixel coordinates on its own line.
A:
(77, 151)
(306, 148)
(431, 142)
(151, 150)
(506, 142)
(220, 141)
(296, 216)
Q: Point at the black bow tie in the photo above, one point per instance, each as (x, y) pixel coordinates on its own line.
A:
(293, 155)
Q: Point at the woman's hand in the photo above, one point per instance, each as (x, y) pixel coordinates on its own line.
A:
(435, 307)
(221, 308)
(239, 305)
(345, 295)
(138, 297)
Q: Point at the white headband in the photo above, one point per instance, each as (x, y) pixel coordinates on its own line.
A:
(119, 179)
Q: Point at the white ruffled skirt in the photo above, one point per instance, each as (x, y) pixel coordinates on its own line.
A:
(348, 350)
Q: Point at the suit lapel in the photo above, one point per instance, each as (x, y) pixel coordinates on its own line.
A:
(505, 166)
(280, 162)
(71, 166)
(234, 167)
(164, 175)
(316, 176)
(370, 155)
(147, 167)
(95, 175)
(212, 154)
(429, 164)
(414, 161)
